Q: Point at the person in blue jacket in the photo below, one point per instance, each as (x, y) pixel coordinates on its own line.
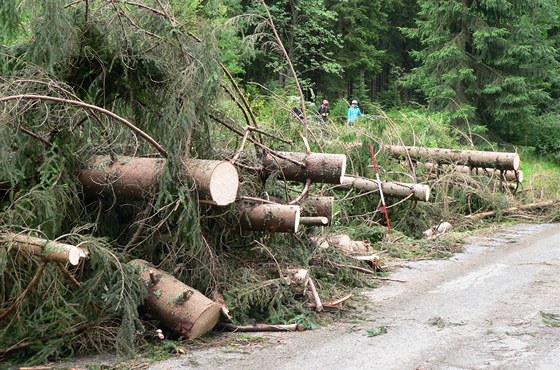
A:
(353, 113)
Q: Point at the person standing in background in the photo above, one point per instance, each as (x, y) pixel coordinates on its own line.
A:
(324, 111)
(354, 113)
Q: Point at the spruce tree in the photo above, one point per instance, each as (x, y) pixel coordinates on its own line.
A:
(488, 62)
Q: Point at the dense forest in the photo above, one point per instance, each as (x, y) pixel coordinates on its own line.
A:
(86, 85)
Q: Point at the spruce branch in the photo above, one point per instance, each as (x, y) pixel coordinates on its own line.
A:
(87, 106)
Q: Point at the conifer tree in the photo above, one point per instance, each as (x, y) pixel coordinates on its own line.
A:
(486, 61)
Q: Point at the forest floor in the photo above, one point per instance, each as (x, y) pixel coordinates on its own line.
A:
(494, 306)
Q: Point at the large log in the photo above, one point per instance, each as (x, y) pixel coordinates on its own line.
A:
(313, 206)
(319, 167)
(179, 307)
(470, 158)
(48, 250)
(508, 175)
(402, 190)
(277, 218)
(134, 178)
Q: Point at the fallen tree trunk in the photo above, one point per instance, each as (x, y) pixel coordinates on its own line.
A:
(317, 207)
(507, 175)
(134, 178)
(48, 250)
(470, 158)
(401, 190)
(314, 221)
(179, 307)
(526, 207)
(276, 218)
(319, 167)
(258, 327)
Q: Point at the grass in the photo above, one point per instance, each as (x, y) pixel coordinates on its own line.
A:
(374, 332)
(550, 319)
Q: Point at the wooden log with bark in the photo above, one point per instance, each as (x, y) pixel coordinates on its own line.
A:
(258, 327)
(179, 307)
(314, 206)
(134, 178)
(344, 243)
(442, 228)
(401, 190)
(277, 218)
(314, 221)
(513, 210)
(507, 175)
(47, 250)
(470, 158)
(319, 167)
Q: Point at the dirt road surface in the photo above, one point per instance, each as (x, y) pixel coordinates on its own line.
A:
(481, 309)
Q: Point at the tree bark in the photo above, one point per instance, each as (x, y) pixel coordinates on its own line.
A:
(471, 158)
(318, 207)
(179, 307)
(259, 327)
(48, 250)
(135, 178)
(276, 218)
(314, 221)
(319, 167)
(401, 190)
(508, 175)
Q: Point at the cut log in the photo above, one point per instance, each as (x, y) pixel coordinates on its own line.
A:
(509, 175)
(526, 207)
(48, 250)
(470, 158)
(216, 181)
(344, 243)
(299, 277)
(135, 178)
(317, 207)
(443, 227)
(319, 167)
(258, 327)
(276, 218)
(401, 190)
(314, 221)
(179, 307)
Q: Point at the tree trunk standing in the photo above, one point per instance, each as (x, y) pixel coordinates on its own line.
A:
(276, 218)
(319, 167)
(401, 190)
(179, 307)
(135, 178)
(48, 250)
(471, 158)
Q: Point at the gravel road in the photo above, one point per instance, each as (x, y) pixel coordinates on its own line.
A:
(481, 309)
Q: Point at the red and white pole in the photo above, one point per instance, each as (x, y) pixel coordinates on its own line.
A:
(384, 206)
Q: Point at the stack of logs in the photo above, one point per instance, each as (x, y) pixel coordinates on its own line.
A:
(500, 165)
(187, 311)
